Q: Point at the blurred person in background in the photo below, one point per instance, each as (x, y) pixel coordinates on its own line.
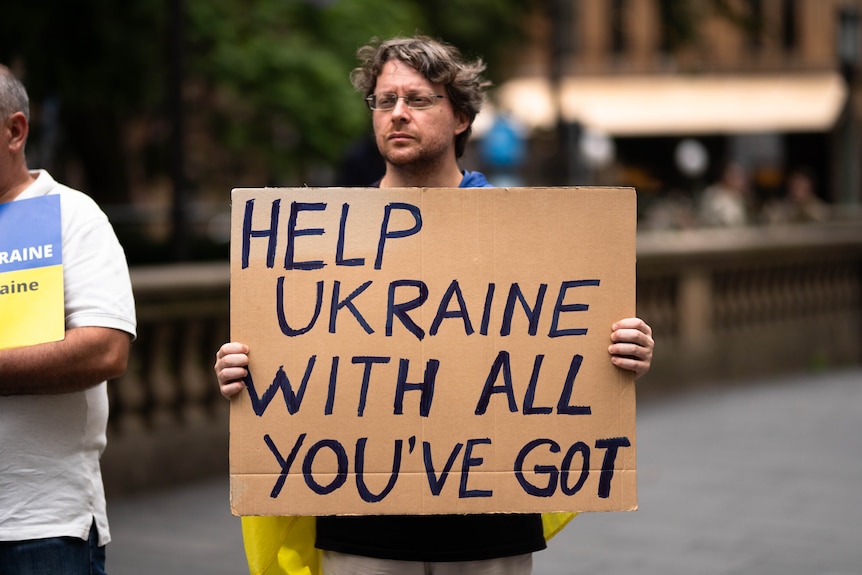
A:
(726, 203)
(53, 396)
(800, 203)
(423, 98)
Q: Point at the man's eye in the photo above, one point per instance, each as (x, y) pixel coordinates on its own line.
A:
(419, 101)
(386, 100)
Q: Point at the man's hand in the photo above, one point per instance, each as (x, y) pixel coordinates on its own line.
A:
(230, 368)
(632, 346)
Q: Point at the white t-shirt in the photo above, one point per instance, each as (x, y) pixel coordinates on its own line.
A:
(50, 445)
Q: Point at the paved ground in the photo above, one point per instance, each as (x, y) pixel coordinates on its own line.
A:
(761, 479)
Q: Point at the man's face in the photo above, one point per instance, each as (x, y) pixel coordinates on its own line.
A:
(407, 136)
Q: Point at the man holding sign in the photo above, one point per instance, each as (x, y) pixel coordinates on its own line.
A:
(424, 97)
(53, 391)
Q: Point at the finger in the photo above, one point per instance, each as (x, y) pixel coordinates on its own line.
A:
(629, 350)
(231, 348)
(230, 374)
(233, 360)
(632, 336)
(634, 323)
(638, 367)
(230, 389)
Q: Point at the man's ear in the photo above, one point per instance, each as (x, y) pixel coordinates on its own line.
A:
(18, 129)
(462, 123)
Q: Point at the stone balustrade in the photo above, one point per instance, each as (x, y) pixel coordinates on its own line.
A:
(733, 304)
(724, 305)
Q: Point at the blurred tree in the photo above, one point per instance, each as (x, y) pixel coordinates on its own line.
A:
(480, 27)
(678, 23)
(276, 74)
(280, 69)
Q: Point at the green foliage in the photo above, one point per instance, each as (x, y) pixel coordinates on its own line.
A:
(281, 67)
(480, 28)
(679, 22)
(266, 81)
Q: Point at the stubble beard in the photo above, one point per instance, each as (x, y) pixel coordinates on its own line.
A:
(415, 163)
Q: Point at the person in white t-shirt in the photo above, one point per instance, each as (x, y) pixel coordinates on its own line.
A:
(53, 396)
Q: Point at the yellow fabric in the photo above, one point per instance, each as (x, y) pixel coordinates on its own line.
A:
(285, 545)
(553, 523)
(280, 545)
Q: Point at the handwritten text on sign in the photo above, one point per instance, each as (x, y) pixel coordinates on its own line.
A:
(431, 350)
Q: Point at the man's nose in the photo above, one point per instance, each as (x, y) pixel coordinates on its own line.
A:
(401, 108)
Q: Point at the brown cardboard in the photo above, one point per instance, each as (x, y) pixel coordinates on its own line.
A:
(578, 241)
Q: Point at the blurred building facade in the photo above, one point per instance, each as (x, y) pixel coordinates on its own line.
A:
(663, 95)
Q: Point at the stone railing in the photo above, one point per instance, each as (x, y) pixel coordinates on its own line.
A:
(728, 304)
(724, 304)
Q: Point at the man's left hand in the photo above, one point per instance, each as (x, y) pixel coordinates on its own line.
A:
(632, 345)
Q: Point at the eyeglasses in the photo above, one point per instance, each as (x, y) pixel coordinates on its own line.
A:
(415, 101)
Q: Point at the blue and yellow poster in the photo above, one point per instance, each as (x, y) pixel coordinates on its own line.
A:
(31, 272)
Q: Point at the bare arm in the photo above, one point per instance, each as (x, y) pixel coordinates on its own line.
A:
(86, 357)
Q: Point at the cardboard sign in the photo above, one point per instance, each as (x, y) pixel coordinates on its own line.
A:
(425, 351)
(31, 272)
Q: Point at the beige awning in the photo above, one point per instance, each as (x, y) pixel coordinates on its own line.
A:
(709, 104)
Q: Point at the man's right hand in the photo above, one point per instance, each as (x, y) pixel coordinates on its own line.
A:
(230, 368)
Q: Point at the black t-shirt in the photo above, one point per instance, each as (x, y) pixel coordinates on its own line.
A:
(432, 537)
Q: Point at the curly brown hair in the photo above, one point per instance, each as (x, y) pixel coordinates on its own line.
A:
(439, 62)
